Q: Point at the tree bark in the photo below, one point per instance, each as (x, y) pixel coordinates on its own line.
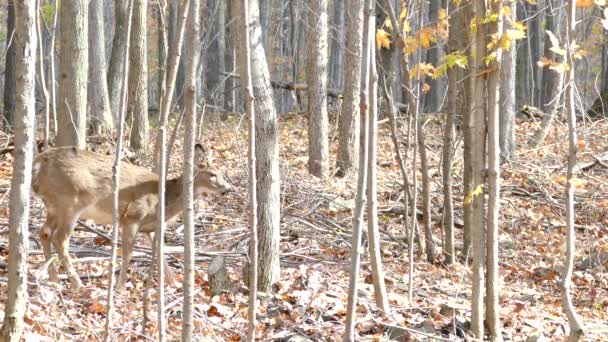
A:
(253, 205)
(336, 67)
(348, 131)
(432, 99)
(138, 77)
(73, 77)
(25, 63)
(316, 80)
(356, 249)
(492, 268)
(373, 232)
(574, 320)
(117, 67)
(507, 94)
(265, 9)
(98, 97)
(552, 80)
(267, 151)
(10, 66)
(188, 175)
(477, 165)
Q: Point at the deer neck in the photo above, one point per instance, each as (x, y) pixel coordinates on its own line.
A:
(173, 197)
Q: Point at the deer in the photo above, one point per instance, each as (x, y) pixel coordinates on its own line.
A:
(77, 184)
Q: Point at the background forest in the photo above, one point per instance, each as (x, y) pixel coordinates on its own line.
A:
(337, 170)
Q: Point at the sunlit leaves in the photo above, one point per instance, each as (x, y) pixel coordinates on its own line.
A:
(383, 39)
(584, 3)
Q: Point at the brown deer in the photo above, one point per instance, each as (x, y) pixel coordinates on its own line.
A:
(76, 184)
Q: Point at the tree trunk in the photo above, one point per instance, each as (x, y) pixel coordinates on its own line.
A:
(348, 131)
(454, 75)
(117, 67)
(465, 106)
(188, 175)
(265, 9)
(138, 77)
(552, 80)
(373, 232)
(432, 99)
(25, 63)
(493, 175)
(355, 253)
(73, 77)
(316, 80)
(10, 66)
(336, 67)
(98, 97)
(251, 164)
(507, 95)
(267, 151)
(221, 51)
(574, 321)
(477, 165)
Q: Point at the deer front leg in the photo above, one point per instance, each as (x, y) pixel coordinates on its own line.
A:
(46, 237)
(61, 240)
(169, 275)
(128, 239)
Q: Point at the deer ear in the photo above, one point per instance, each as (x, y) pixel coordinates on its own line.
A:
(202, 156)
(198, 148)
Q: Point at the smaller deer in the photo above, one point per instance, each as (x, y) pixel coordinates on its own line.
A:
(76, 184)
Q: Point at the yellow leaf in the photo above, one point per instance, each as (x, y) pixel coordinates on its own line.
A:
(411, 45)
(478, 191)
(383, 39)
(425, 88)
(516, 34)
(388, 24)
(403, 13)
(427, 36)
(581, 143)
(584, 3)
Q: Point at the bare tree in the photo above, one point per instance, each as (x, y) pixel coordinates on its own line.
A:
(355, 253)
(138, 77)
(477, 165)
(175, 51)
(267, 151)
(253, 205)
(493, 179)
(10, 66)
(348, 131)
(373, 232)
(336, 67)
(25, 47)
(188, 175)
(73, 68)
(116, 173)
(316, 79)
(574, 320)
(42, 74)
(117, 67)
(98, 97)
(506, 125)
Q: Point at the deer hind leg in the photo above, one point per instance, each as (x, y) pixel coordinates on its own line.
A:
(169, 275)
(46, 237)
(61, 239)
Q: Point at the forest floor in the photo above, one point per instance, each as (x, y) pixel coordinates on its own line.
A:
(316, 221)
